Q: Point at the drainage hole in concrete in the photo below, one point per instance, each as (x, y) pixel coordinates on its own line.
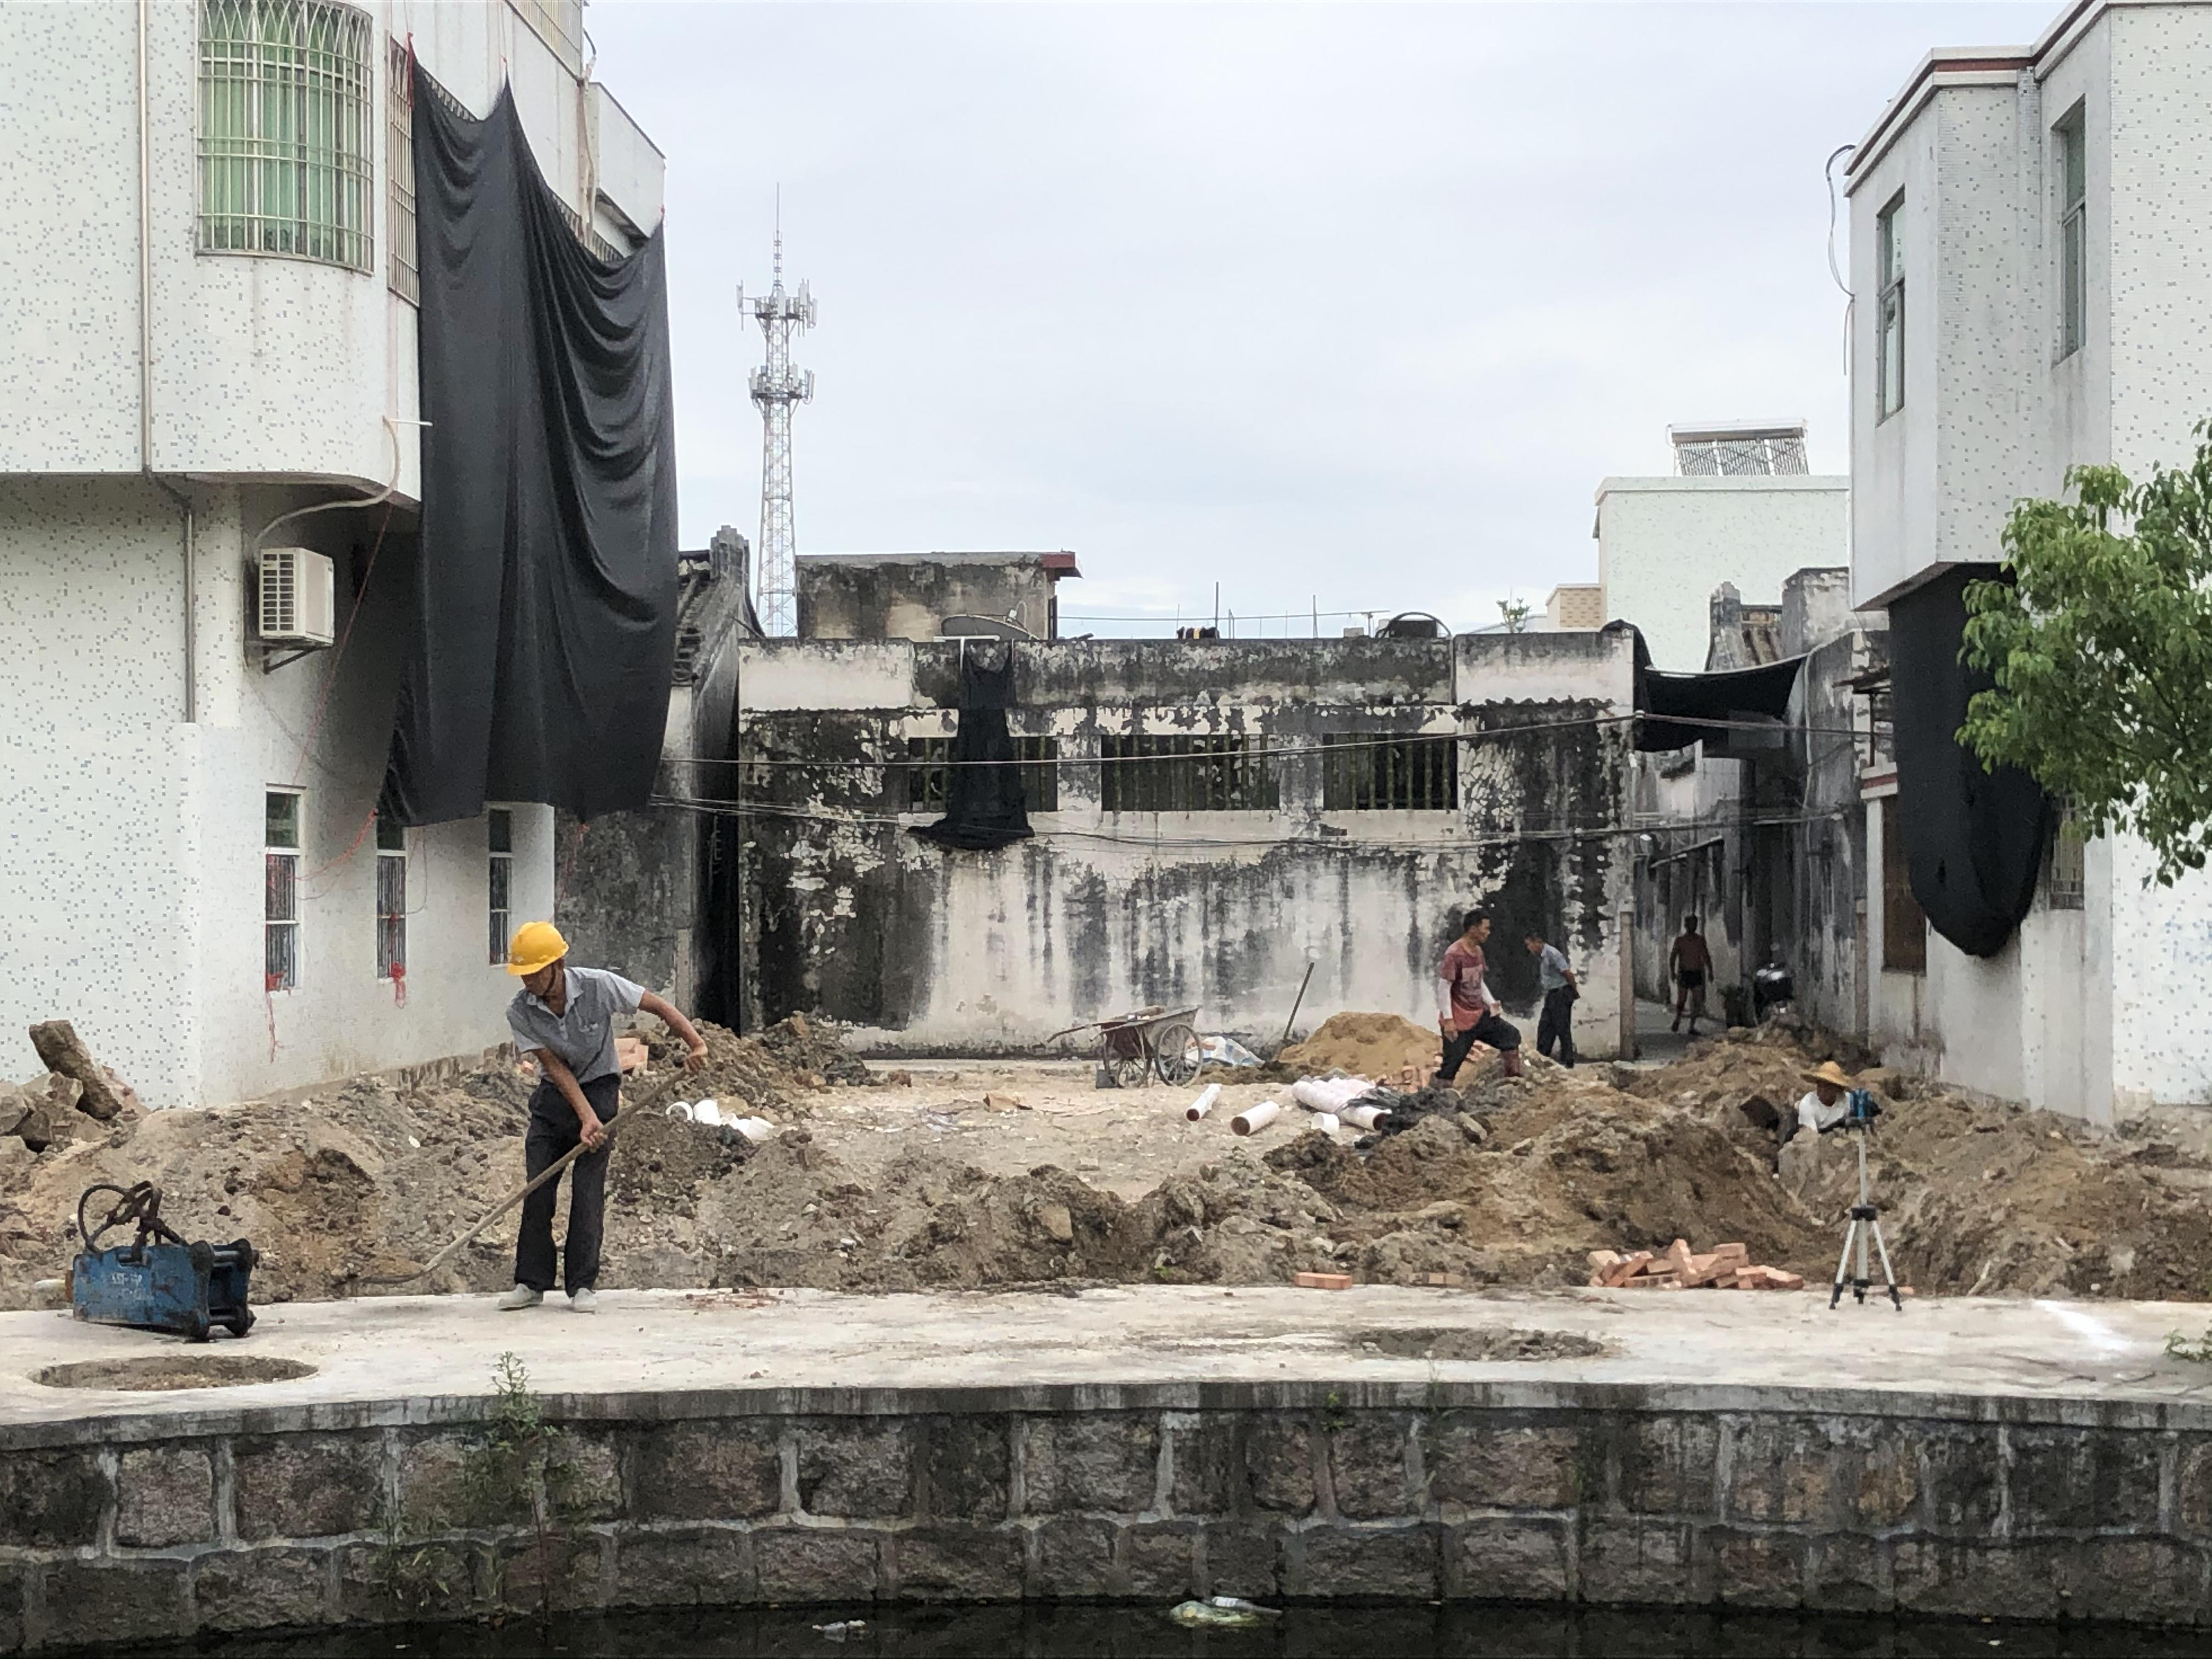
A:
(1489, 1343)
(180, 1371)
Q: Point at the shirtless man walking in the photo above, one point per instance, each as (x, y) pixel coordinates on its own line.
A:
(1690, 962)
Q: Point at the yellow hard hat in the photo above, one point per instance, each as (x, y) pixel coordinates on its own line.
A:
(537, 945)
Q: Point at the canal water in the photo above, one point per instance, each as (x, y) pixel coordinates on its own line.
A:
(1461, 1631)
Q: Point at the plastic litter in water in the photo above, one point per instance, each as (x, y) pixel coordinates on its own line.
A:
(1220, 1613)
(843, 1630)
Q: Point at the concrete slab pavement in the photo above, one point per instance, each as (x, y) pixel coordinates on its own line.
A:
(430, 1358)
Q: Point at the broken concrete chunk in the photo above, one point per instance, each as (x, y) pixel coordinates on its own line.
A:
(1005, 1103)
(1056, 1221)
(15, 1107)
(63, 1051)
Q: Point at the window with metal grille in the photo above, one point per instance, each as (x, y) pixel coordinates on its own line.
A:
(401, 271)
(1889, 346)
(1148, 772)
(929, 773)
(499, 838)
(2065, 864)
(280, 904)
(390, 899)
(2072, 135)
(1372, 775)
(285, 128)
(1904, 928)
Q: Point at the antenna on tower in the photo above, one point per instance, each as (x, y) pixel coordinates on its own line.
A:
(777, 389)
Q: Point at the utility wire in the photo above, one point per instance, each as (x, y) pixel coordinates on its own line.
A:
(1348, 744)
(1593, 831)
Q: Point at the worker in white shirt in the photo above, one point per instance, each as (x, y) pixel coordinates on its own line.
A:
(1823, 1107)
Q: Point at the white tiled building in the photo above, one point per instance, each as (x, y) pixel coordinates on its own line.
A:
(1739, 508)
(194, 347)
(2031, 258)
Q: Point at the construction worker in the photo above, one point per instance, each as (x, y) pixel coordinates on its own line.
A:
(1555, 1026)
(1466, 1011)
(564, 1018)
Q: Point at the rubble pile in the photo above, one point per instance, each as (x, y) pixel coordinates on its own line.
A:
(1723, 1268)
(1528, 1183)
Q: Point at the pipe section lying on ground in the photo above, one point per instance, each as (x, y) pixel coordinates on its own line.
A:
(1199, 1108)
(1253, 1119)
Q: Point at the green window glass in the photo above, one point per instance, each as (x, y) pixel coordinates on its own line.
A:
(284, 130)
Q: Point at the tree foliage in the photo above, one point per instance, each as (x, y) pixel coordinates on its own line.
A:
(2099, 638)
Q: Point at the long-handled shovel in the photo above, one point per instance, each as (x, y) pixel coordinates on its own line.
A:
(653, 1096)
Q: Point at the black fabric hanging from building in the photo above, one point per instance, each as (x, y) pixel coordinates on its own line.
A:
(544, 604)
(983, 804)
(1677, 710)
(1974, 838)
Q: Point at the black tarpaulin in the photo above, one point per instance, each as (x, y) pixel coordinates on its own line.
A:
(1974, 838)
(1678, 709)
(983, 804)
(544, 608)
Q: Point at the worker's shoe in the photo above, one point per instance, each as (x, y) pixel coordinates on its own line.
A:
(584, 1301)
(520, 1296)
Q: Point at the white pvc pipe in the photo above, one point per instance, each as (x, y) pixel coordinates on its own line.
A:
(1199, 1108)
(1361, 1117)
(1333, 1094)
(1328, 1123)
(1253, 1119)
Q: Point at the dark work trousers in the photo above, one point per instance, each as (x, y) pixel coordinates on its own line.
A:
(1500, 1034)
(1557, 1024)
(552, 1133)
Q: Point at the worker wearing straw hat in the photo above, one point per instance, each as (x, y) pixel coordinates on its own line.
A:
(565, 1016)
(1822, 1107)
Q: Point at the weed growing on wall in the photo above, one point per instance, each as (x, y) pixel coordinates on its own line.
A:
(520, 1474)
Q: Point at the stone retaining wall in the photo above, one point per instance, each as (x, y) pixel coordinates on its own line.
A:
(162, 1524)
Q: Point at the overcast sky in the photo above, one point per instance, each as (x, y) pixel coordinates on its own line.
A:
(1344, 305)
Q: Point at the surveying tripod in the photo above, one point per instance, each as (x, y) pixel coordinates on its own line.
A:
(1865, 1224)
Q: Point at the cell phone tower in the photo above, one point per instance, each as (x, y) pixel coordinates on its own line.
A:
(778, 389)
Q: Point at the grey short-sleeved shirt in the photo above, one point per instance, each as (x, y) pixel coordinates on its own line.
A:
(584, 1035)
(1551, 967)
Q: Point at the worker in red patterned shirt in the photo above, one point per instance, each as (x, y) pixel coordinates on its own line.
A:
(1466, 1011)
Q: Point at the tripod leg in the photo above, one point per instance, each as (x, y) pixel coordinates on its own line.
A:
(1843, 1262)
(1888, 1273)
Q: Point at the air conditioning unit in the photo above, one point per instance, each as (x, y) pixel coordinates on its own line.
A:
(299, 597)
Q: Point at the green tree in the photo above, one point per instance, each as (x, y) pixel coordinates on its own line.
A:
(2098, 640)
(1515, 613)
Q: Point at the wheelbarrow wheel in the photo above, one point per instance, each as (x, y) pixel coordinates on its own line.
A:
(1130, 1071)
(1177, 1055)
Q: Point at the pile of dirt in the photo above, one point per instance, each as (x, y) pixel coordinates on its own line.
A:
(1378, 1046)
(1508, 1183)
(370, 1176)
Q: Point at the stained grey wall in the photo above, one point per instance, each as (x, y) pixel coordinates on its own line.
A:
(844, 913)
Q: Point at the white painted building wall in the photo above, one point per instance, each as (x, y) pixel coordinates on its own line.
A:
(131, 840)
(2101, 1011)
(1664, 544)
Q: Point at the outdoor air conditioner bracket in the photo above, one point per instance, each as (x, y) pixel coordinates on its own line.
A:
(273, 661)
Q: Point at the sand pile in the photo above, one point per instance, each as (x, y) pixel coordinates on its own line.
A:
(1378, 1046)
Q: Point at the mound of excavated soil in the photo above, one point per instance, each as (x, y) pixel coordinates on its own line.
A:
(1512, 1188)
(1377, 1046)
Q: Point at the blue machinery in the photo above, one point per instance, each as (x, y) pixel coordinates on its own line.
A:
(157, 1282)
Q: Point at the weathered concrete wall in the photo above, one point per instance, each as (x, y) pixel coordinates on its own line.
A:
(875, 597)
(846, 913)
(117, 1529)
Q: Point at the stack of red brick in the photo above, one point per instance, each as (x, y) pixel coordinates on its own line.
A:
(1678, 1267)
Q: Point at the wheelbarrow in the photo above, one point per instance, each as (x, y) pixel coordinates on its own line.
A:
(1150, 1042)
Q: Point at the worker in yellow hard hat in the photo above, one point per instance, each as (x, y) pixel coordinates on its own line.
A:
(565, 1016)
